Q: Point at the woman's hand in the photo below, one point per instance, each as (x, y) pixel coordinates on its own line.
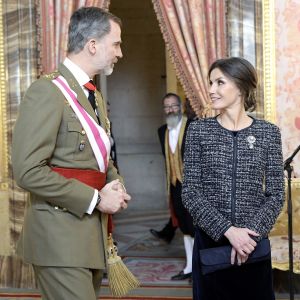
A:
(237, 258)
(242, 243)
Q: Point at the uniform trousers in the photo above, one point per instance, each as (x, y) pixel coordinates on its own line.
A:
(61, 283)
(184, 218)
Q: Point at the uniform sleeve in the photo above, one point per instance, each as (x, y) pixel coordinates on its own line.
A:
(264, 220)
(204, 215)
(112, 173)
(34, 141)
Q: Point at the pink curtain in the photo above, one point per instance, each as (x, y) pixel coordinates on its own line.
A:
(53, 22)
(194, 32)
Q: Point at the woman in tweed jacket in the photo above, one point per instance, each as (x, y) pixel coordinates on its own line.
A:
(233, 184)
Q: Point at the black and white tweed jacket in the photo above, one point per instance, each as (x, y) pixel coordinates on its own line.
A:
(233, 179)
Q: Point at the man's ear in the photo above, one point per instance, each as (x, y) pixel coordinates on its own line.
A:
(91, 46)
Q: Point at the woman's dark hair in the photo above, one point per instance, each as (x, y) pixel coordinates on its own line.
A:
(243, 74)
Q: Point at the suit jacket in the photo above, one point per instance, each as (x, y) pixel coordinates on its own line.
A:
(47, 132)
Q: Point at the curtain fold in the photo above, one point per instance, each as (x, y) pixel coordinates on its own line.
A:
(194, 33)
(54, 20)
(19, 70)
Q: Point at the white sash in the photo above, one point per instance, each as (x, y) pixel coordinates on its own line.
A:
(97, 136)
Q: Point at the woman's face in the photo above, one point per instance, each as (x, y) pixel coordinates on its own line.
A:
(223, 91)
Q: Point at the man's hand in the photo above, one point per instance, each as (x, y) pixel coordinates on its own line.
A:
(113, 198)
(242, 243)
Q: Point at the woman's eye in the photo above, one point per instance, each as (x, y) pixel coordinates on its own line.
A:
(220, 82)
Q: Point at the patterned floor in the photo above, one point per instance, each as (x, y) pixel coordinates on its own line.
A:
(152, 261)
(134, 238)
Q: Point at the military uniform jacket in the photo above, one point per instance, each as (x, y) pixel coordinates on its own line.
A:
(48, 133)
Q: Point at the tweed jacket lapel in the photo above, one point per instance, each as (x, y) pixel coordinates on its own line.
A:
(74, 85)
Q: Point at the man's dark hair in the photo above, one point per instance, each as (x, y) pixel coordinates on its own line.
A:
(168, 95)
(87, 23)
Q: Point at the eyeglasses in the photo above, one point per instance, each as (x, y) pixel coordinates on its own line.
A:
(173, 106)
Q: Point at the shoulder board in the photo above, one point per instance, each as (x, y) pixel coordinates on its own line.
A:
(51, 75)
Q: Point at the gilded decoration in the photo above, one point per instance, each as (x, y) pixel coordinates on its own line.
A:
(275, 99)
(270, 64)
(3, 116)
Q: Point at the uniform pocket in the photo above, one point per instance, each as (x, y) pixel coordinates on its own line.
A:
(42, 206)
(81, 147)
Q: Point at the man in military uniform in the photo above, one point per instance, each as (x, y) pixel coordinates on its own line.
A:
(172, 140)
(65, 223)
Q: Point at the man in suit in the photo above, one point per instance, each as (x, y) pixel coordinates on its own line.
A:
(65, 224)
(172, 139)
(168, 232)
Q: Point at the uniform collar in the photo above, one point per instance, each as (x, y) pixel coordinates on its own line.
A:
(81, 77)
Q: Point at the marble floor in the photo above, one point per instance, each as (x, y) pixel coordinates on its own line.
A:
(132, 226)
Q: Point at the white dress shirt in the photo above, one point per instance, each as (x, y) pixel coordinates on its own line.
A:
(174, 135)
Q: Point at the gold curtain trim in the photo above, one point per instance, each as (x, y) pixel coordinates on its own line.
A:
(174, 57)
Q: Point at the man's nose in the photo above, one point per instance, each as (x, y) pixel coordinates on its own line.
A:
(120, 54)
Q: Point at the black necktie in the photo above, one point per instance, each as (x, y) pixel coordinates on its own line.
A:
(91, 88)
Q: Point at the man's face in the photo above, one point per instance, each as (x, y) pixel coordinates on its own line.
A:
(171, 106)
(108, 49)
(172, 111)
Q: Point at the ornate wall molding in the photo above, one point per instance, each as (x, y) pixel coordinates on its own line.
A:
(269, 62)
(3, 107)
(269, 67)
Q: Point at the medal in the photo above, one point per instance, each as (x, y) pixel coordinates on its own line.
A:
(81, 145)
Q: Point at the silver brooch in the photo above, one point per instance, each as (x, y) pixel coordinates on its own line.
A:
(251, 140)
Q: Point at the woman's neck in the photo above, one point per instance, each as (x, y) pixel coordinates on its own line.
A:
(234, 121)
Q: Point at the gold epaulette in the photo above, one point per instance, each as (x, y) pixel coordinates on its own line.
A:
(51, 75)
